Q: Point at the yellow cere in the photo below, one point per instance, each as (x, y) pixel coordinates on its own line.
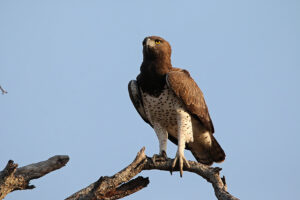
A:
(157, 42)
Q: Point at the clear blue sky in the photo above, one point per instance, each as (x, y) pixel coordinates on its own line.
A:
(66, 65)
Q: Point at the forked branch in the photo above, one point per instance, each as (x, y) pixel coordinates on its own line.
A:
(121, 185)
(13, 178)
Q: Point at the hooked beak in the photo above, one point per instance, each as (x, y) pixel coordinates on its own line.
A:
(150, 43)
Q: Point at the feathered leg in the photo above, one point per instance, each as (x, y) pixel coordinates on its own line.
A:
(162, 136)
(185, 135)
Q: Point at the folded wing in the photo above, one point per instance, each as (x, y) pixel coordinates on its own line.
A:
(188, 91)
(136, 99)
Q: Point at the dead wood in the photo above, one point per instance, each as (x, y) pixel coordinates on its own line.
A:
(13, 178)
(121, 185)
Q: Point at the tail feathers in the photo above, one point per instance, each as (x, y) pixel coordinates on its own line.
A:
(216, 151)
(207, 154)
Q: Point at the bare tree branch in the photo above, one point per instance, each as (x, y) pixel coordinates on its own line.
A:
(211, 174)
(130, 187)
(107, 187)
(13, 178)
(2, 90)
(118, 185)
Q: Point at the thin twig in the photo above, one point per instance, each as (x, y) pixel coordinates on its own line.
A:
(2, 90)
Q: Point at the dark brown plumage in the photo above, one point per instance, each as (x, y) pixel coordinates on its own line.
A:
(156, 64)
(162, 84)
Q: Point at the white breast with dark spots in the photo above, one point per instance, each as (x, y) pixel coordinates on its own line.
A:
(168, 111)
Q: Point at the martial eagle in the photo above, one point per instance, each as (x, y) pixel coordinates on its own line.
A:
(171, 102)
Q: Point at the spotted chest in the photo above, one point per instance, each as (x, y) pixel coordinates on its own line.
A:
(169, 112)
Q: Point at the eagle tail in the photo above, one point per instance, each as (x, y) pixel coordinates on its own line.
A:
(207, 152)
(216, 151)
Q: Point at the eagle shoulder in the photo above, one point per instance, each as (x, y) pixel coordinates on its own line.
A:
(186, 89)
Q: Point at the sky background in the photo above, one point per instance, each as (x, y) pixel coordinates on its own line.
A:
(66, 65)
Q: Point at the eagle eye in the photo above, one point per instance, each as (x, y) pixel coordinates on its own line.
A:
(157, 42)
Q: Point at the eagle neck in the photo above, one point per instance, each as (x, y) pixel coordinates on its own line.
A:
(160, 65)
(152, 78)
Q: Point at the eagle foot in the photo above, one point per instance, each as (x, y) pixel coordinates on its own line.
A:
(181, 161)
(159, 157)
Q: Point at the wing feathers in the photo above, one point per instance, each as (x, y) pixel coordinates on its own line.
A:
(188, 91)
(136, 99)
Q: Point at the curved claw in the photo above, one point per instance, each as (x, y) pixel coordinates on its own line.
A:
(182, 161)
(154, 157)
(159, 157)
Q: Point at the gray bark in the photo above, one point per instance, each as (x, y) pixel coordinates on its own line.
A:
(108, 188)
(119, 185)
(13, 178)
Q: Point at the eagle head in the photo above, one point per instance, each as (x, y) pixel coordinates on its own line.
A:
(155, 47)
